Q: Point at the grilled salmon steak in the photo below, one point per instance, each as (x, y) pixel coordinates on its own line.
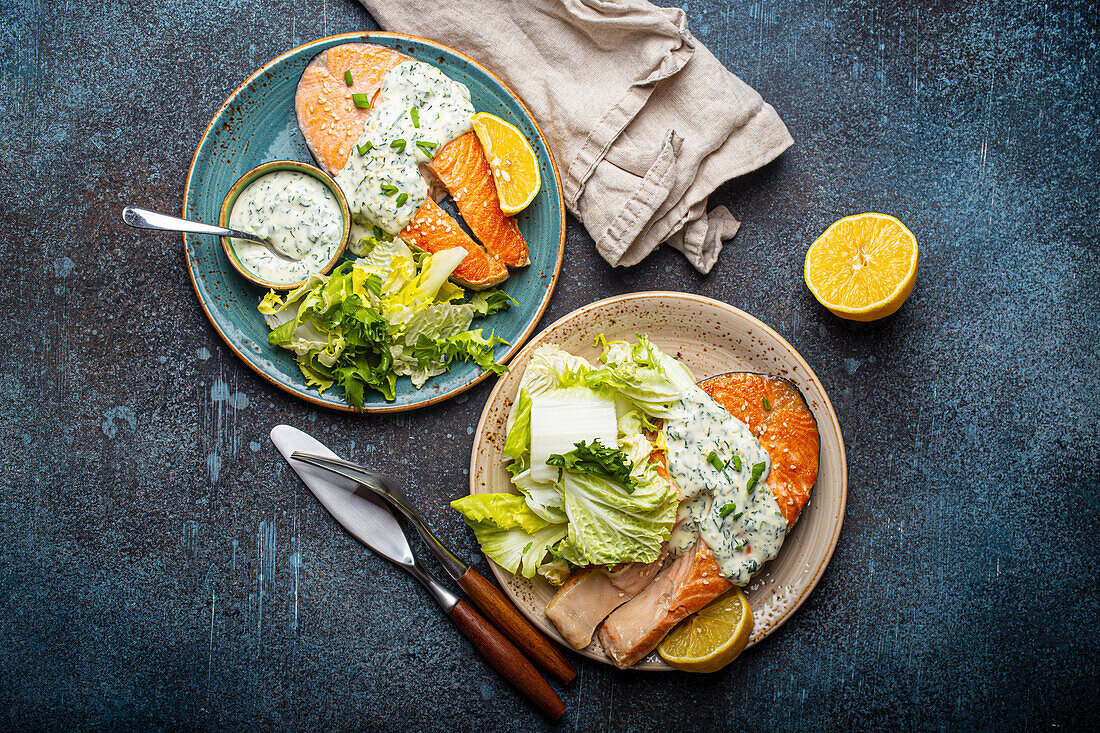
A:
(332, 122)
(787, 431)
(433, 230)
(776, 413)
(461, 167)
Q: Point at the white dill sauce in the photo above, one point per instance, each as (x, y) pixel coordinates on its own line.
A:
(730, 507)
(419, 110)
(298, 214)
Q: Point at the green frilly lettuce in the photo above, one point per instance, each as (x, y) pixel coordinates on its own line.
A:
(390, 313)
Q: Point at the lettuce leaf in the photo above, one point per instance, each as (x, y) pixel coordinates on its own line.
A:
(544, 499)
(602, 511)
(643, 374)
(517, 446)
(391, 313)
(511, 535)
(608, 526)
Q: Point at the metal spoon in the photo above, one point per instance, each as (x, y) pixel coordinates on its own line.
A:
(145, 219)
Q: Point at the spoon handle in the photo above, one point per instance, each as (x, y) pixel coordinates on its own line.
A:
(145, 219)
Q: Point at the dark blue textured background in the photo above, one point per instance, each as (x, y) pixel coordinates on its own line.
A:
(159, 568)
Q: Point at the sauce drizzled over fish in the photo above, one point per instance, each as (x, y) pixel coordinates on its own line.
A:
(746, 440)
(375, 119)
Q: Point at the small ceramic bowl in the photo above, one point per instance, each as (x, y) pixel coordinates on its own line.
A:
(252, 175)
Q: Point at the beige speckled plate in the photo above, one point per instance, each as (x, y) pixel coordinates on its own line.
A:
(711, 338)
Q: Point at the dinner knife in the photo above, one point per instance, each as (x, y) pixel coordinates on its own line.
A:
(486, 596)
(369, 520)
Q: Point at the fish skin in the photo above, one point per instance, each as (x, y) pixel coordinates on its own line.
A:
(462, 168)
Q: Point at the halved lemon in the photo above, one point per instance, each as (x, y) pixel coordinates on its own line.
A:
(713, 637)
(863, 267)
(512, 160)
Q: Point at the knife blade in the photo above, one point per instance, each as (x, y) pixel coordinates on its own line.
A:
(367, 518)
(486, 596)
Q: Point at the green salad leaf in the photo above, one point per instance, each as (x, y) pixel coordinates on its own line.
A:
(608, 526)
(511, 535)
(390, 313)
(608, 504)
(643, 374)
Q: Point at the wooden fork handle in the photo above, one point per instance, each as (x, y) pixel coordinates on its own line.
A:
(506, 617)
(506, 659)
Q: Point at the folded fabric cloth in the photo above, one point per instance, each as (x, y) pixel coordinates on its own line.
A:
(644, 121)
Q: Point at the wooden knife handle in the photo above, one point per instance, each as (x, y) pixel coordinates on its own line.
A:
(506, 659)
(506, 617)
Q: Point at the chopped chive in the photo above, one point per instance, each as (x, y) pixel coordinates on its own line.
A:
(715, 461)
(389, 189)
(738, 515)
(398, 145)
(362, 101)
(347, 77)
(415, 114)
(757, 471)
(426, 147)
(767, 405)
(402, 199)
(365, 147)
(736, 462)
(728, 508)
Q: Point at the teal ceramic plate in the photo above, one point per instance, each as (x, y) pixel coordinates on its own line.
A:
(257, 124)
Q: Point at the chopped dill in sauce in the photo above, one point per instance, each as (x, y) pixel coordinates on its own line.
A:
(298, 214)
(718, 463)
(400, 140)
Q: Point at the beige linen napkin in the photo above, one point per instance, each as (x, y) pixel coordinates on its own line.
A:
(644, 121)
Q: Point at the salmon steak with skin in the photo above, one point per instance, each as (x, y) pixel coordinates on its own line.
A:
(332, 124)
(462, 168)
(788, 432)
(433, 230)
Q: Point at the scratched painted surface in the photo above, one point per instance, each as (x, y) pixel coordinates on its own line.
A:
(160, 568)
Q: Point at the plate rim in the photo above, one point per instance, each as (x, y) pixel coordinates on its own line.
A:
(659, 295)
(513, 350)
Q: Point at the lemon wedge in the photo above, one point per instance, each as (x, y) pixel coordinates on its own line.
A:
(863, 267)
(511, 159)
(711, 638)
